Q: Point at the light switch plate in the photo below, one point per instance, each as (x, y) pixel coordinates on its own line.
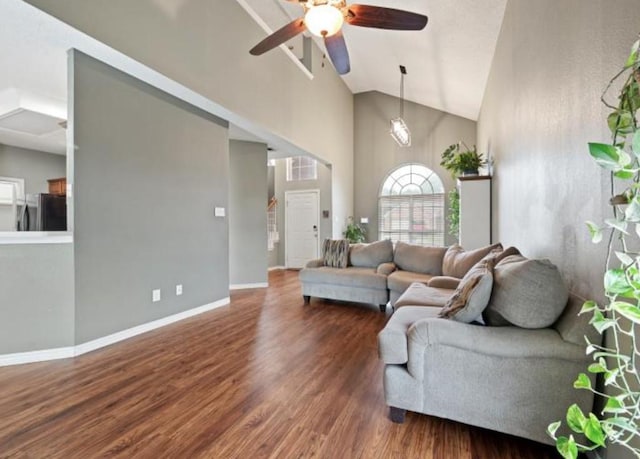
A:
(220, 212)
(155, 295)
(364, 220)
(179, 289)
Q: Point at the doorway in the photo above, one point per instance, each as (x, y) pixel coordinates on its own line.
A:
(302, 220)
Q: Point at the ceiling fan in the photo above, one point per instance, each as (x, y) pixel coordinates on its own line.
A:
(324, 18)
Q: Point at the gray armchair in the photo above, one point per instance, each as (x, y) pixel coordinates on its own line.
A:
(507, 379)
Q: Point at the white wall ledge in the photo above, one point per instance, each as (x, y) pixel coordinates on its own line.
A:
(35, 237)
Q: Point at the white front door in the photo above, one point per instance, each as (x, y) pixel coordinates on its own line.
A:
(301, 227)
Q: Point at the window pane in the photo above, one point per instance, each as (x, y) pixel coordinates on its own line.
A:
(412, 209)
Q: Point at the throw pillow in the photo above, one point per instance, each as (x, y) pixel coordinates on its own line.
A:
(472, 295)
(419, 259)
(457, 262)
(526, 293)
(371, 255)
(506, 253)
(335, 253)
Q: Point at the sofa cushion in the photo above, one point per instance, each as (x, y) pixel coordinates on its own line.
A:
(399, 281)
(419, 259)
(457, 262)
(392, 340)
(420, 295)
(444, 282)
(472, 295)
(526, 293)
(371, 255)
(350, 277)
(506, 253)
(335, 253)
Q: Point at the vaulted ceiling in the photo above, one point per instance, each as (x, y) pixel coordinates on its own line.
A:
(448, 62)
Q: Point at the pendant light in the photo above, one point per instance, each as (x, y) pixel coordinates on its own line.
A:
(399, 129)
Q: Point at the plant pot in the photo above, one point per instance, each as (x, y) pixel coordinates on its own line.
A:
(468, 172)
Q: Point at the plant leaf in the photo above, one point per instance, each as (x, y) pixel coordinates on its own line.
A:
(567, 447)
(635, 143)
(625, 174)
(605, 155)
(600, 322)
(593, 430)
(610, 376)
(583, 382)
(595, 231)
(633, 55)
(632, 212)
(553, 428)
(615, 281)
(627, 310)
(623, 257)
(588, 306)
(614, 406)
(620, 225)
(576, 420)
(596, 368)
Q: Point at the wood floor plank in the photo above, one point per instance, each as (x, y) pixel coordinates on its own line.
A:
(266, 376)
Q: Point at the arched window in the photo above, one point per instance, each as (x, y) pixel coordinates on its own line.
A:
(411, 206)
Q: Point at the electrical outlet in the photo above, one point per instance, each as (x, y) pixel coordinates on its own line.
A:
(178, 289)
(219, 212)
(156, 296)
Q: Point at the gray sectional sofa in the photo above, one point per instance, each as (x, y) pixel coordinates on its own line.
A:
(514, 375)
(378, 273)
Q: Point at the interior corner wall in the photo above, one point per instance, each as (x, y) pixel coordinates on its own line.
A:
(324, 183)
(148, 172)
(205, 45)
(540, 109)
(377, 154)
(248, 188)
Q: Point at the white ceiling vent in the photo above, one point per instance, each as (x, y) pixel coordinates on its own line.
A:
(29, 122)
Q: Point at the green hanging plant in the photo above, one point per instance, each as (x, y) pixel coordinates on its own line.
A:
(620, 317)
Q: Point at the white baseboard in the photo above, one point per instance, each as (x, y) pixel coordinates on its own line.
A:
(246, 286)
(275, 268)
(72, 351)
(36, 356)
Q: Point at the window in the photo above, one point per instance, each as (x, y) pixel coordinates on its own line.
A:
(301, 168)
(411, 206)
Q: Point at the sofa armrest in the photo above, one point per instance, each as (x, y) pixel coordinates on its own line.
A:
(386, 268)
(318, 263)
(502, 342)
(447, 282)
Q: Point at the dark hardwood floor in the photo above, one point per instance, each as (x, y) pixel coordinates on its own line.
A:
(263, 377)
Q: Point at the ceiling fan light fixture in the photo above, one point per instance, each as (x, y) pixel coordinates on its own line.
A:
(324, 20)
(400, 132)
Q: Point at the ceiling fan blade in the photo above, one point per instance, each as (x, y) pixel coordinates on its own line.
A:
(385, 18)
(279, 37)
(337, 49)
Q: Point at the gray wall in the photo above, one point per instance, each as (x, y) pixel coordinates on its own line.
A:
(35, 167)
(36, 299)
(541, 107)
(149, 171)
(247, 212)
(205, 46)
(377, 154)
(323, 183)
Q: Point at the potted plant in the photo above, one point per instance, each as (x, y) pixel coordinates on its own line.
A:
(459, 159)
(617, 359)
(354, 232)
